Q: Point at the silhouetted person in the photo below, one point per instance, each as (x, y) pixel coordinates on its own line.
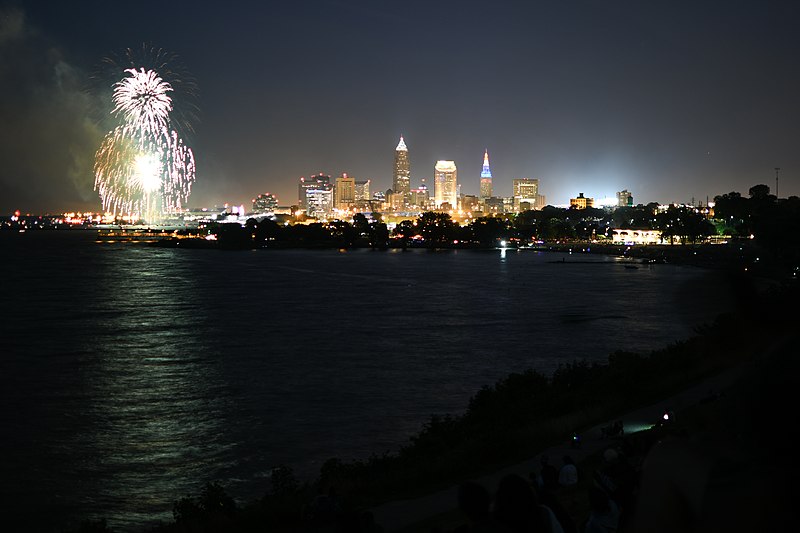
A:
(474, 502)
(618, 479)
(368, 524)
(604, 516)
(548, 474)
(568, 475)
(735, 476)
(517, 508)
(549, 499)
(325, 508)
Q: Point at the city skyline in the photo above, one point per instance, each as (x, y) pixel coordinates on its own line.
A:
(670, 102)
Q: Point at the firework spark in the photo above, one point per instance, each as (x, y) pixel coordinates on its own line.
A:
(143, 167)
(142, 99)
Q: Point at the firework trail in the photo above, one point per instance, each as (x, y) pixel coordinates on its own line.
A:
(143, 167)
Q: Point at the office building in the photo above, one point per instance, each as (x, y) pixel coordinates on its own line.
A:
(265, 203)
(419, 199)
(445, 185)
(486, 178)
(344, 195)
(624, 198)
(402, 170)
(362, 191)
(316, 195)
(581, 202)
(525, 191)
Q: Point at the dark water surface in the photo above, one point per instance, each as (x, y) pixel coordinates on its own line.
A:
(131, 375)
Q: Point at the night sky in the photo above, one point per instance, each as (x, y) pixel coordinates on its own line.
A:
(672, 100)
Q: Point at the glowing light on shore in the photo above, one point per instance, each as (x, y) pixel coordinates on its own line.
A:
(608, 201)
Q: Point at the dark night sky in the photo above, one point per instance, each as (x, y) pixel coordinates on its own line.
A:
(669, 99)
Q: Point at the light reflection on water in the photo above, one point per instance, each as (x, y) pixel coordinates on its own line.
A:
(136, 374)
(158, 405)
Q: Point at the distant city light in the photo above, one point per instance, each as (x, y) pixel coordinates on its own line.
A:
(608, 201)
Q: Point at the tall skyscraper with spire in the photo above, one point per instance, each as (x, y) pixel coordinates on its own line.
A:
(486, 177)
(402, 170)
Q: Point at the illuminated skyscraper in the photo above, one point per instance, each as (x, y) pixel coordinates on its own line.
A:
(344, 192)
(316, 194)
(525, 192)
(624, 198)
(362, 191)
(445, 184)
(265, 203)
(402, 170)
(486, 177)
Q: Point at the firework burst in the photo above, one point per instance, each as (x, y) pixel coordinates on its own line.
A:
(143, 167)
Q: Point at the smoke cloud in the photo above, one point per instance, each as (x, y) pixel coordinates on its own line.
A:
(47, 136)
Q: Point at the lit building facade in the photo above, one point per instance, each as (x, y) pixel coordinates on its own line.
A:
(362, 191)
(402, 170)
(344, 195)
(316, 195)
(445, 185)
(624, 198)
(470, 203)
(486, 178)
(581, 202)
(636, 236)
(265, 203)
(494, 206)
(419, 199)
(525, 191)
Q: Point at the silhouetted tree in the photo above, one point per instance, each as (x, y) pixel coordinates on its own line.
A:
(379, 235)
(488, 230)
(684, 223)
(406, 229)
(435, 228)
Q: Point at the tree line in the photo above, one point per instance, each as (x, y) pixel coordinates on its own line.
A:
(761, 215)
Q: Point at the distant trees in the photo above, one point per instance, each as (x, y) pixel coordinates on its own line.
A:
(684, 223)
(639, 217)
(436, 228)
(772, 223)
(486, 231)
(760, 214)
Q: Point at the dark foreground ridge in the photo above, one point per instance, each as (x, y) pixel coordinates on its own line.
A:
(714, 467)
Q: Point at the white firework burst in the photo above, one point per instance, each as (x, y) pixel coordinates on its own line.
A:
(143, 167)
(143, 101)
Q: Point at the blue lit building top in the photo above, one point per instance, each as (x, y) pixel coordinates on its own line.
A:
(486, 172)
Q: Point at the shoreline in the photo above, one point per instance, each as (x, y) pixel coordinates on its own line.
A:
(405, 483)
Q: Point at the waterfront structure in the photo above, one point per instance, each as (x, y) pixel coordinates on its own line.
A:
(316, 195)
(445, 185)
(265, 203)
(581, 202)
(344, 192)
(624, 198)
(402, 170)
(525, 191)
(486, 178)
(636, 236)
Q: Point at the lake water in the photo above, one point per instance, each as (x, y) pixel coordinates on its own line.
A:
(131, 375)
